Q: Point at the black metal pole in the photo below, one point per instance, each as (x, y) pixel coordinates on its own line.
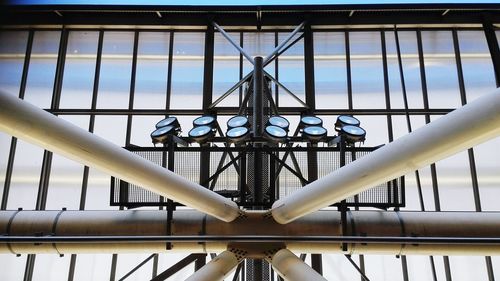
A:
(258, 90)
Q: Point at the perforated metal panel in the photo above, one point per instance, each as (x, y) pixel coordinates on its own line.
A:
(227, 181)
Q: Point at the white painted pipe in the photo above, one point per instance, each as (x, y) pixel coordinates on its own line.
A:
(30, 123)
(291, 268)
(461, 129)
(147, 223)
(217, 269)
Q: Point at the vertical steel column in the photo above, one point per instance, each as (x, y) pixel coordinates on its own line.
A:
(258, 91)
(114, 259)
(83, 193)
(386, 86)
(13, 142)
(312, 157)
(309, 67)
(207, 98)
(132, 88)
(348, 69)
(208, 68)
(435, 188)
(470, 151)
(491, 39)
(390, 134)
(43, 184)
(240, 89)
(169, 70)
(276, 71)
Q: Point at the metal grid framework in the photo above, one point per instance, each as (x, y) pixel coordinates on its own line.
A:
(389, 113)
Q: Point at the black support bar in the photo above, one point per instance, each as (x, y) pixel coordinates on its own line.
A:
(491, 39)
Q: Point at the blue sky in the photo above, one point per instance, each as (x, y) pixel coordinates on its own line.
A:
(239, 3)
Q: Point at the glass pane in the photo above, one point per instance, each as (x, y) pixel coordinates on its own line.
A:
(12, 53)
(126, 262)
(440, 69)
(487, 165)
(366, 70)
(291, 71)
(226, 69)
(79, 69)
(142, 127)
(258, 44)
(187, 70)
(419, 268)
(379, 267)
(42, 68)
(330, 72)
(16, 266)
(25, 176)
(66, 176)
(465, 268)
(411, 70)
(93, 266)
(113, 129)
(455, 183)
(340, 268)
(479, 75)
(152, 70)
(51, 267)
(116, 67)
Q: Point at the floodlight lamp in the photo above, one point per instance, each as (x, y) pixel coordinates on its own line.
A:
(160, 135)
(310, 120)
(169, 121)
(353, 133)
(201, 134)
(275, 134)
(344, 120)
(278, 121)
(314, 133)
(238, 121)
(238, 134)
(205, 120)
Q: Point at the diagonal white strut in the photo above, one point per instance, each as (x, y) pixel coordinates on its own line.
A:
(30, 123)
(459, 130)
(291, 268)
(217, 269)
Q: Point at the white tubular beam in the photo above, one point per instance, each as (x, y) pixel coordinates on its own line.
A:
(291, 268)
(463, 128)
(217, 269)
(27, 122)
(86, 227)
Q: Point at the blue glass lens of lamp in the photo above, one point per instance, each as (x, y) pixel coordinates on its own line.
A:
(348, 120)
(205, 120)
(200, 131)
(160, 135)
(311, 121)
(169, 121)
(314, 133)
(279, 122)
(237, 121)
(354, 133)
(275, 131)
